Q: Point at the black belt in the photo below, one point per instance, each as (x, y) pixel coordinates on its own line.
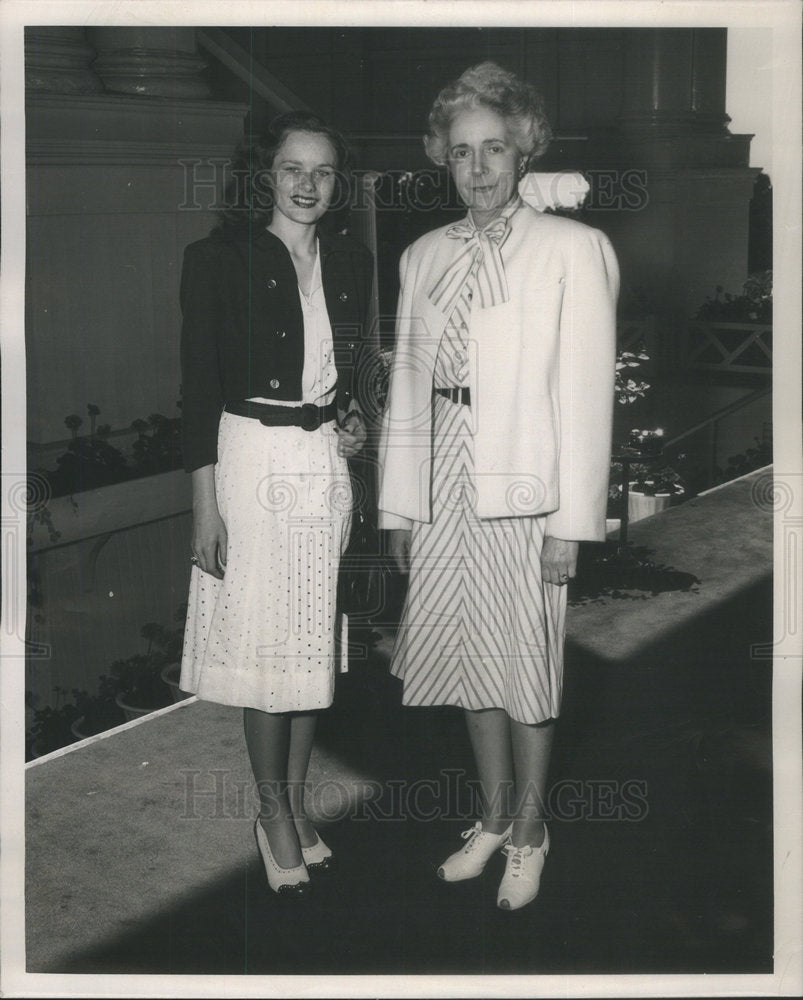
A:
(309, 417)
(457, 394)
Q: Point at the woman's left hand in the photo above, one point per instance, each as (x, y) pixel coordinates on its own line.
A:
(351, 434)
(558, 560)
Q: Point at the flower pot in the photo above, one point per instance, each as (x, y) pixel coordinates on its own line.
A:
(78, 730)
(130, 711)
(170, 675)
(641, 505)
(84, 726)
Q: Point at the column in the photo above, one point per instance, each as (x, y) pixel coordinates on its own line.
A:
(689, 231)
(57, 61)
(675, 80)
(150, 62)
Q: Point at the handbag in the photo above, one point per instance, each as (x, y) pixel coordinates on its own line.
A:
(365, 571)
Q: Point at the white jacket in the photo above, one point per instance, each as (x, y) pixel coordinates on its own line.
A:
(541, 378)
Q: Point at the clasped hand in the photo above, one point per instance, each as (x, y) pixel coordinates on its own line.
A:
(351, 434)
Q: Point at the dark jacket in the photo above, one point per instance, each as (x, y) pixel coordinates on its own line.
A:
(243, 330)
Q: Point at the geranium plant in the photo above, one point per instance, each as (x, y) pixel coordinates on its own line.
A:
(139, 676)
(754, 305)
(657, 482)
(88, 461)
(647, 442)
(50, 726)
(626, 388)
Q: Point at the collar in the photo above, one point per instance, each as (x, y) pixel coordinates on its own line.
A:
(261, 236)
(510, 208)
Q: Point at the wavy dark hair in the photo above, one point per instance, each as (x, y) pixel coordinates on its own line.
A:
(248, 198)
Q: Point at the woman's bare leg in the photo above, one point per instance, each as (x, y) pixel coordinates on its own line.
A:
(267, 736)
(532, 746)
(489, 732)
(302, 733)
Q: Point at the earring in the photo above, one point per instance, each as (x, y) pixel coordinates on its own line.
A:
(522, 168)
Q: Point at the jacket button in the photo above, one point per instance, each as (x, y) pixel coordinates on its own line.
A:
(343, 296)
(274, 383)
(271, 282)
(281, 334)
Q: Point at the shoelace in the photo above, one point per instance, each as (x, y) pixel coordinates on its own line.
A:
(516, 856)
(472, 833)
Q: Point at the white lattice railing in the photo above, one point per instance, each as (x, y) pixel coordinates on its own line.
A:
(732, 347)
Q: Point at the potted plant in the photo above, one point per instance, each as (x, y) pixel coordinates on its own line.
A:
(89, 461)
(626, 388)
(98, 712)
(747, 461)
(754, 305)
(158, 444)
(646, 442)
(140, 686)
(734, 332)
(652, 490)
(50, 727)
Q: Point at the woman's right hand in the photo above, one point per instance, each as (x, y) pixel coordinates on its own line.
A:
(209, 540)
(209, 535)
(400, 548)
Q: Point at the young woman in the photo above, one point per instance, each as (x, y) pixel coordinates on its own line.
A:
(274, 309)
(494, 457)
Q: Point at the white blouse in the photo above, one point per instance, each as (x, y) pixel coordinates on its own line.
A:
(319, 375)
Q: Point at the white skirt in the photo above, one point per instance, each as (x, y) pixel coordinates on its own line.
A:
(264, 636)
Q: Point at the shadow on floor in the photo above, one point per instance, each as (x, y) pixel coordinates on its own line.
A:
(661, 858)
(668, 890)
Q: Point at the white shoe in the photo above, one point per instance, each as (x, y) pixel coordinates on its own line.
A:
(283, 881)
(522, 877)
(319, 857)
(470, 860)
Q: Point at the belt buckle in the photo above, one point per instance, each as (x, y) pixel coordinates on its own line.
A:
(310, 417)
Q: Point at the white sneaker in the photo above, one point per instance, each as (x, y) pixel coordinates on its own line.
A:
(522, 877)
(470, 860)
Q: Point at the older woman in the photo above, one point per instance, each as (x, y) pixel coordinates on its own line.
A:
(273, 309)
(494, 457)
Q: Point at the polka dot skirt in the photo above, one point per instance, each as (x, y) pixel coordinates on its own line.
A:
(263, 637)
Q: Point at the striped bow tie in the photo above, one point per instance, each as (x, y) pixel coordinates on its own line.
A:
(480, 254)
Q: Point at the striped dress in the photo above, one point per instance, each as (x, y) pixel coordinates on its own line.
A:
(480, 629)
